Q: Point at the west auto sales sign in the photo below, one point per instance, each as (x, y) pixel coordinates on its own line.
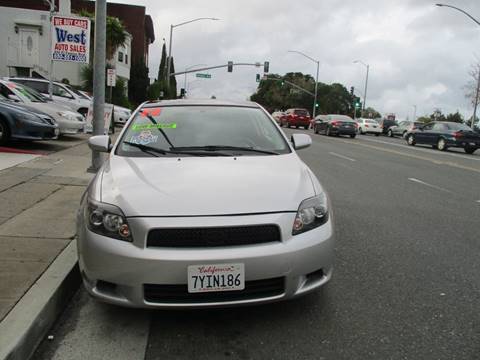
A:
(70, 39)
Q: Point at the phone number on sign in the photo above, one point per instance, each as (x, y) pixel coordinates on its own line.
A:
(70, 57)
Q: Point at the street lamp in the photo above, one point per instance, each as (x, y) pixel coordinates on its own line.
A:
(188, 68)
(316, 79)
(478, 82)
(366, 84)
(170, 45)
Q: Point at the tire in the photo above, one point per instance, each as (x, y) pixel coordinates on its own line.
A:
(377, 134)
(328, 132)
(411, 140)
(442, 144)
(390, 133)
(4, 132)
(315, 130)
(83, 111)
(404, 134)
(470, 150)
(296, 126)
(360, 131)
(306, 127)
(288, 125)
(353, 136)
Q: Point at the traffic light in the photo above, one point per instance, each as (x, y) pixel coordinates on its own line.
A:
(357, 104)
(352, 89)
(258, 77)
(317, 105)
(282, 83)
(266, 66)
(230, 66)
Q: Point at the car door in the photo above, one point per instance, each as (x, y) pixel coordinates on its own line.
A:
(425, 135)
(398, 130)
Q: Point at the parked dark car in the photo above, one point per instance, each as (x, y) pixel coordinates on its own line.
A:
(443, 134)
(402, 128)
(385, 124)
(296, 117)
(336, 125)
(21, 122)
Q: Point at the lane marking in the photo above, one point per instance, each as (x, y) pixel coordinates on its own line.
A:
(437, 162)
(429, 185)
(341, 156)
(421, 149)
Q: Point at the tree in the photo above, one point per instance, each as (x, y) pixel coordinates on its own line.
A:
(162, 69)
(374, 113)
(455, 117)
(472, 88)
(424, 119)
(116, 35)
(172, 90)
(437, 116)
(139, 82)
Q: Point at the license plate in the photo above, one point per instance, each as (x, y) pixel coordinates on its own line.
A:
(216, 277)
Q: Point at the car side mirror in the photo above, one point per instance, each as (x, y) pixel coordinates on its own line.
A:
(13, 98)
(301, 141)
(100, 143)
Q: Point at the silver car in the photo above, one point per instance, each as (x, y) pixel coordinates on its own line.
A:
(203, 204)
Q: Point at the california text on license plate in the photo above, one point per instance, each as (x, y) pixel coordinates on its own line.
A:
(216, 277)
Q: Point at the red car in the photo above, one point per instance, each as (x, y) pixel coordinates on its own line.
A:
(296, 117)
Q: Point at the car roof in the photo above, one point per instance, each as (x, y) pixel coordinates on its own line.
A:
(201, 102)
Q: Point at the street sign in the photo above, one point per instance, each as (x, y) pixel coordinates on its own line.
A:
(70, 39)
(204, 76)
(111, 77)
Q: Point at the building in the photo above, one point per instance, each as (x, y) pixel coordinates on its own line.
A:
(135, 20)
(26, 38)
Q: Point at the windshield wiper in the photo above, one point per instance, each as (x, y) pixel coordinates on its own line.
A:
(154, 151)
(226, 147)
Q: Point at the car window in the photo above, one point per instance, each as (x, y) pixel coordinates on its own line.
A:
(439, 127)
(428, 127)
(76, 92)
(458, 127)
(187, 126)
(60, 91)
(40, 86)
(301, 112)
(371, 122)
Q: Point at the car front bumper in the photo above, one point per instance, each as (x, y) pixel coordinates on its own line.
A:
(303, 262)
(34, 131)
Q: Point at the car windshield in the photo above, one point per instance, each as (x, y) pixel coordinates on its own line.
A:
(458, 127)
(204, 130)
(26, 93)
(76, 92)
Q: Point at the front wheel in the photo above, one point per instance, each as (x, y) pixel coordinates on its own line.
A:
(390, 133)
(4, 132)
(411, 140)
(470, 150)
(441, 144)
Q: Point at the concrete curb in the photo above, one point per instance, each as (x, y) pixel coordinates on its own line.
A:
(26, 325)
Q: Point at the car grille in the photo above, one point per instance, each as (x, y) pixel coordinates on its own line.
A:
(213, 236)
(256, 289)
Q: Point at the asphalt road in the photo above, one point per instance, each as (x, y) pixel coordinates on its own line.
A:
(406, 283)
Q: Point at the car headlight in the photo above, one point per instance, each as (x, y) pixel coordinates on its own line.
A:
(107, 220)
(28, 117)
(68, 115)
(311, 213)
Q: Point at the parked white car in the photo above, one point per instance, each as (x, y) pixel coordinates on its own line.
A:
(368, 126)
(120, 114)
(61, 93)
(190, 210)
(69, 122)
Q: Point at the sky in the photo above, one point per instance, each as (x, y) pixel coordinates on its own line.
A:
(418, 53)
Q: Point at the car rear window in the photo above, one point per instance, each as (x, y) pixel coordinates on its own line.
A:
(301, 112)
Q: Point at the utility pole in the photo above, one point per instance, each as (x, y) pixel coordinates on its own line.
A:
(50, 73)
(414, 113)
(99, 77)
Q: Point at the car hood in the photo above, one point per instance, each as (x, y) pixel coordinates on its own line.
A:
(205, 185)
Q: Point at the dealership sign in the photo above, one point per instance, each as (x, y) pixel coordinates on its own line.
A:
(70, 39)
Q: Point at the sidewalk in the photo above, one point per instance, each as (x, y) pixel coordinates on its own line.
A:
(38, 203)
